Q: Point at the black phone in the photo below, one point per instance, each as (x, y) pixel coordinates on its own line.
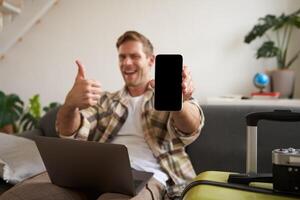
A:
(168, 80)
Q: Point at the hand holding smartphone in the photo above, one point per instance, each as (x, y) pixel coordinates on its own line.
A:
(168, 82)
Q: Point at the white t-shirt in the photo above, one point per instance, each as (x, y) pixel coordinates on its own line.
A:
(131, 135)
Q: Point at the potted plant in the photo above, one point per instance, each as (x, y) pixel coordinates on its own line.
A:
(11, 109)
(33, 113)
(277, 31)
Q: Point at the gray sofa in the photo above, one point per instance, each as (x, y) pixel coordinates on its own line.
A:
(222, 143)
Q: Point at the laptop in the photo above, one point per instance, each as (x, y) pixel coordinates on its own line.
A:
(83, 165)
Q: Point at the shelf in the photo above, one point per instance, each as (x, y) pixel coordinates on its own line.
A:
(239, 101)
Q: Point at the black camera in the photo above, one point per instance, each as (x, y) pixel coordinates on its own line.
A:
(286, 170)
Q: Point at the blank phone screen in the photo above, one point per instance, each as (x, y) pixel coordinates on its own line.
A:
(168, 79)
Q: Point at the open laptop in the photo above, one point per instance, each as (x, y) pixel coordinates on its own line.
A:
(93, 166)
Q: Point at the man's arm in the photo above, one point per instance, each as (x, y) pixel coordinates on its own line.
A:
(188, 119)
(85, 93)
(68, 120)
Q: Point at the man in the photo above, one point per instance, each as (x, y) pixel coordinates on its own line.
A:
(155, 139)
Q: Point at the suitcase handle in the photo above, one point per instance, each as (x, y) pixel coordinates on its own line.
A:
(252, 120)
(246, 179)
(278, 115)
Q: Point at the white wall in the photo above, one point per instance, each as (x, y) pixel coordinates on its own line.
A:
(208, 33)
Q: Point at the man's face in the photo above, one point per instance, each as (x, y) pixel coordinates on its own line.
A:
(134, 64)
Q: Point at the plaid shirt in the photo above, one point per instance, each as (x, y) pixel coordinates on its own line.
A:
(103, 121)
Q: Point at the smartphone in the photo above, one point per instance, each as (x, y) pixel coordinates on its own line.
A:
(168, 80)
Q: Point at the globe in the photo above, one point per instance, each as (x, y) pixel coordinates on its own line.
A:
(261, 80)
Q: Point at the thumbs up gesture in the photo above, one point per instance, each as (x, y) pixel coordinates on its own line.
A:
(84, 93)
(81, 70)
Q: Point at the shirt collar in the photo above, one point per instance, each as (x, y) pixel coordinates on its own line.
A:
(123, 94)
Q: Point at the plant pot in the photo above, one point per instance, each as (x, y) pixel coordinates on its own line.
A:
(7, 129)
(283, 81)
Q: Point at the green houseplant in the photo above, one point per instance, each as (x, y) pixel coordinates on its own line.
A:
(15, 117)
(11, 109)
(276, 44)
(278, 31)
(33, 113)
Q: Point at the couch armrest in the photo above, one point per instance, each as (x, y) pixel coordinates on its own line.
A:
(47, 123)
(30, 134)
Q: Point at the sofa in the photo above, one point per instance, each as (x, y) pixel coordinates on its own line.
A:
(222, 143)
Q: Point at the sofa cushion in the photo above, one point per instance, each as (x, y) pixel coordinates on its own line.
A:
(19, 158)
(31, 133)
(47, 123)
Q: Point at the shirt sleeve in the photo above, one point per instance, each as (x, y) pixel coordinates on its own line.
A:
(88, 118)
(187, 138)
(88, 123)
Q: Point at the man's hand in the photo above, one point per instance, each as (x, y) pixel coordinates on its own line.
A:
(188, 119)
(84, 93)
(187, 84)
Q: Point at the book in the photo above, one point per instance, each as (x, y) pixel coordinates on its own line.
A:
(265, 95)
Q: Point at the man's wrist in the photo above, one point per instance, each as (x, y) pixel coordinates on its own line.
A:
(70, 108)
(184, 106)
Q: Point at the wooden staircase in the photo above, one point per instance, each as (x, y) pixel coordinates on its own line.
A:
(17, 17)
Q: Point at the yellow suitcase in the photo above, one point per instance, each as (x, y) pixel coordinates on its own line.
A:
(212, 185)
(283, 184)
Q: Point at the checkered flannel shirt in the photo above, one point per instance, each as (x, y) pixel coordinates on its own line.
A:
(103, 121)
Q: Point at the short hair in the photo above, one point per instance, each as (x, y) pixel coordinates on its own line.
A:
(136, 36)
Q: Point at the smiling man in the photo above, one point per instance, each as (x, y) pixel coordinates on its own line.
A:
(134, 65)
(155, 140)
